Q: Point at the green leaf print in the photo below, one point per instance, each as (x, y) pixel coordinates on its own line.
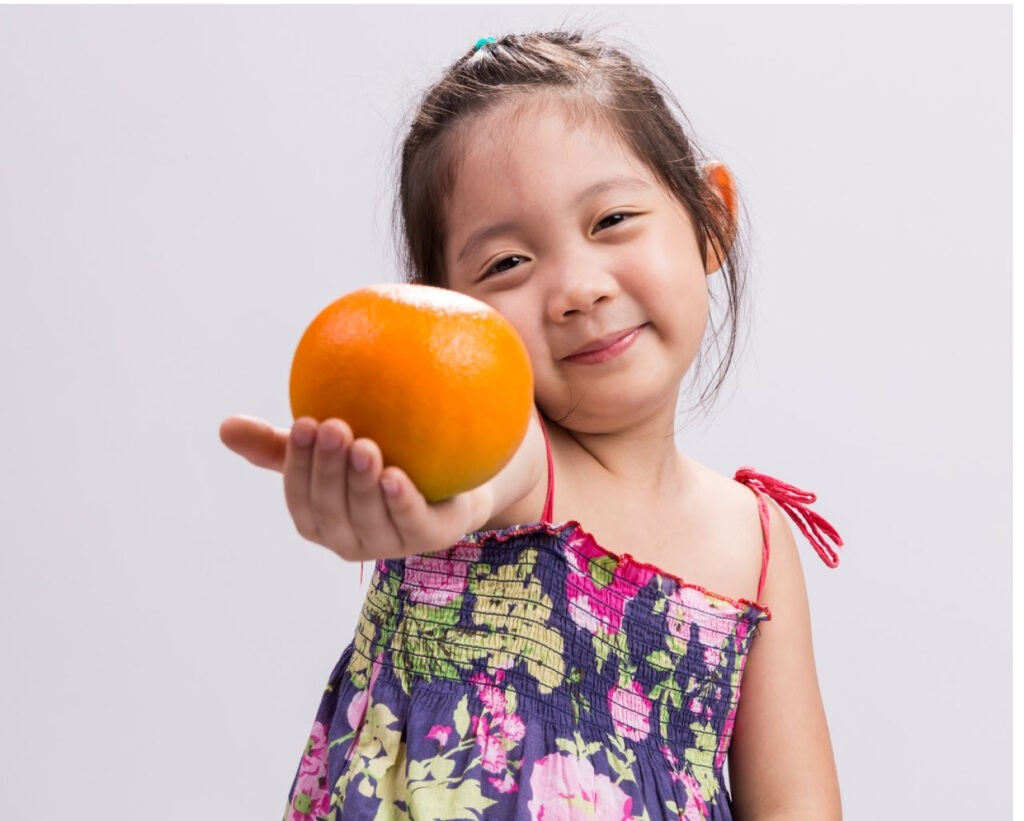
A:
(577, 747)
(601, 651)
(462, 716)
(663, 720)
(701, 758)
(377, 624)
(423, 647)
(512, 603)
(623, 767)
(431, 799)
(602, 570)
(441, 768)
(387, 811)
(661, 661)
(376, 752)
(417, 770)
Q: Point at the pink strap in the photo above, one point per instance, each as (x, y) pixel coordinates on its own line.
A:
(549, 501)
(762, 511)
(795, 502)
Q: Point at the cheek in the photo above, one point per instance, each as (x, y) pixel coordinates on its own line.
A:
(524, 321)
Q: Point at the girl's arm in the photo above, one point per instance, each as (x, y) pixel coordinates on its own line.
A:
(340, 495)
(780, 762)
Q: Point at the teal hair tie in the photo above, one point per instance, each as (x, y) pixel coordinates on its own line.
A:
(484, 41)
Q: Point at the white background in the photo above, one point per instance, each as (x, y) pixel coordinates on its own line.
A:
(183, 188)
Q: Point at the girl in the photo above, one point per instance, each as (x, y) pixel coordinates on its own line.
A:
(527, 670)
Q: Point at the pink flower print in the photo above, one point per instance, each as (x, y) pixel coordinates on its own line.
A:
(512, 728)
(566, 788)
(715, 622)
(314, 759)
(598, 607)
(725, 738)
(584, 613)
(492, 752)
(496, 730)
(504, 785)
(440, 733)
(492, 696)
(670, 757)
(696, 809)
(493, 757)
(309, 799)
(356, 712)
(357, 708)
(631, 711)
(438, 578)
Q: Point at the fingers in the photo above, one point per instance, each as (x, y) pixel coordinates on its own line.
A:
(298, 474)
(257, 441)
(332, 490)
(328, 489)
(408, 511)
(367, 509)
(341, 496)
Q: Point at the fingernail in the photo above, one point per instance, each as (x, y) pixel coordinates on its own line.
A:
(389, 485)
(328, 438)
(360, 460)
(302, 436)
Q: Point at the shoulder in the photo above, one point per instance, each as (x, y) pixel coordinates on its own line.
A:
(731, 525)
(750, 530)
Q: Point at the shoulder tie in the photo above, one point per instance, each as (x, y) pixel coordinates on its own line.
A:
(795, 502)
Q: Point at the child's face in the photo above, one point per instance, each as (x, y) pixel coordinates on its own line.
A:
(562, 229)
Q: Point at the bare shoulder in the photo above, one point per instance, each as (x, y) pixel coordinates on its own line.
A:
(730, 525)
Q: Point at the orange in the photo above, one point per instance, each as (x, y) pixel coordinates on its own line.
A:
(439, 380)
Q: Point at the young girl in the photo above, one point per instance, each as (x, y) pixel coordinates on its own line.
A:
(533, 669)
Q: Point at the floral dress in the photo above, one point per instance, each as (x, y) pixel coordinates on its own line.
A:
(529, 673)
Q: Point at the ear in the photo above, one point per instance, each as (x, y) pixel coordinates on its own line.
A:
(720, 180)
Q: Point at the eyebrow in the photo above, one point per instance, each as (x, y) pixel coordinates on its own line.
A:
(484, 234)
(622, 183)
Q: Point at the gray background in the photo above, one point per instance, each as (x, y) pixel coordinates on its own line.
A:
(181, 189)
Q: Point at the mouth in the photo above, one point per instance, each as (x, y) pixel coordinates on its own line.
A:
(606, 348)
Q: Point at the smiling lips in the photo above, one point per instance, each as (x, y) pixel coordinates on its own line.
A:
(605, 348)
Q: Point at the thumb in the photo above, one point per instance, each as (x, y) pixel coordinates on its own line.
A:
(256, 440)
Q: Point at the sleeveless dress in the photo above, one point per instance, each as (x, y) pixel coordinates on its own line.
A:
(530, 673)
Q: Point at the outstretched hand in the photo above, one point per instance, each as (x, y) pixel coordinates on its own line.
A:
(341, 495)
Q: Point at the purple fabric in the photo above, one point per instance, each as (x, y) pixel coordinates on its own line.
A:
(529, 674)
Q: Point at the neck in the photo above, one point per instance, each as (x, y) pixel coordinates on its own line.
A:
(643, 455)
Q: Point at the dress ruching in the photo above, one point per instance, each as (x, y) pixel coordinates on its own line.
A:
(529, 673)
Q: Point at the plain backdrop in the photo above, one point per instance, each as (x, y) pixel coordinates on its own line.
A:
(183, 188)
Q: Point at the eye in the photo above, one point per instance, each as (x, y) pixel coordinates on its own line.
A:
(506, 264)
(610, 221)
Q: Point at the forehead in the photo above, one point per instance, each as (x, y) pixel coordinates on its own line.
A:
(539, 146)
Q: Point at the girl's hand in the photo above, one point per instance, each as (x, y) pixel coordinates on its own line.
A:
(341, 496)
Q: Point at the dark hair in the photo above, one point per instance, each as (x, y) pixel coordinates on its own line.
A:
(593, 77)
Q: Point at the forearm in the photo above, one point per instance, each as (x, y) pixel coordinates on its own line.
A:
(802, 811)
(819, 805)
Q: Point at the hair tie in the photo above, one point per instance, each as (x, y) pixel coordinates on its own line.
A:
(483, 41)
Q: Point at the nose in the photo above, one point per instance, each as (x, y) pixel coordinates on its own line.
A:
(577, 288)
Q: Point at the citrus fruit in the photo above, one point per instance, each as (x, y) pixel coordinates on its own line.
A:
(439, 380)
